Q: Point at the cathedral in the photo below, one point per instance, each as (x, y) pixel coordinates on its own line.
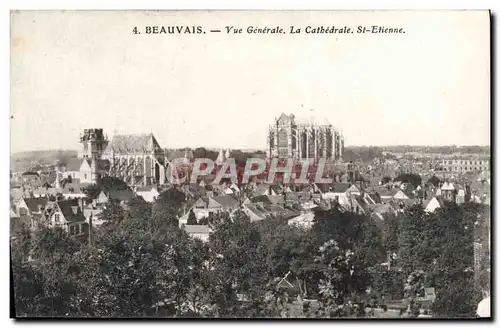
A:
(289, 138)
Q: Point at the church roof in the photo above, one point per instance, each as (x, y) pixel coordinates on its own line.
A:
(130, 143)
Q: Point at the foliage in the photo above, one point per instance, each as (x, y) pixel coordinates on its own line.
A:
(434, 180)
(192, 218)
(141, 264)
(413, 179)
(386, 180)
(167, 208)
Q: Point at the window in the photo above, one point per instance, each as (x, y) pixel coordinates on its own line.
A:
(71, 230)
(77, 229)
(85, 175)
(57, 217)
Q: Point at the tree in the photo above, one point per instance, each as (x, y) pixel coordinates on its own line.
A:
(413, 179)
(434, 180)
(113, 213)
(167, 208)
(386, 180)
(192, 218)
(92, 191)
(343, 282)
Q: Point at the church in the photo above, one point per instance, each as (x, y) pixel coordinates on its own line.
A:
(136, 159)
(292, 138)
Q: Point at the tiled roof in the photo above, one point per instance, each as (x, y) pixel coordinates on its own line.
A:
(71, 210)
(197, 229)
(140, 143)
(340, 187)
(74, 187)
(74, 164)
(34, 203)
(121, 195)
(102, 164)
(226, 201)
(30, 173)
(257, 210)
(375, 197)
(172, 154)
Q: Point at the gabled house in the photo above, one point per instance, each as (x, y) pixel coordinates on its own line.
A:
(72, 168)
(305, 220)
(206, 205)
(86, 172)
(372, 198)
(430, 206)
(381, 211)
(122, 196)
(30, 177)
(255, 212)
(74, 189)
(340, 193)
(149, 193)
(102, 198)
(68, 215)
(200, 232)
(32, 206)
(400, 195)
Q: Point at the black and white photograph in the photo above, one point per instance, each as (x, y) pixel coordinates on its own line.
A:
(272, 164)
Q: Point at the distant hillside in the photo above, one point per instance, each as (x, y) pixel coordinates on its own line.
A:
(22, 161)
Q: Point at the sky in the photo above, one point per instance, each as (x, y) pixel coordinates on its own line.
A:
(76, 70)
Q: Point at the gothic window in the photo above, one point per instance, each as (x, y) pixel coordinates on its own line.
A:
(282, 138)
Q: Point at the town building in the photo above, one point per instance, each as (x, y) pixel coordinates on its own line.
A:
(89, 166)
(136, 159)
(290, 138)
(92, 143)
(463, 165)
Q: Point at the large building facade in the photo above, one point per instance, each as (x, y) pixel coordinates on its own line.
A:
(463, 165)
(289, 138)
(136, 159)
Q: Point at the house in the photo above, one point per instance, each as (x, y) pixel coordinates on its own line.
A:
(233, 189)
(381, 211)
(74, 189)
(255, 212)
(400, 195)
(372, 198)
(201, 232)
(72, 168)
(89, 174)
(448, 191)
(265, 189)
(149, 193)
(433, 204)
(31, 206)
(93, 213)
(68, 215)
(340, 193)
(305, 220)
(206, 205)
(46, 190)
(102, 198)
(122, 196)
(30, 176)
